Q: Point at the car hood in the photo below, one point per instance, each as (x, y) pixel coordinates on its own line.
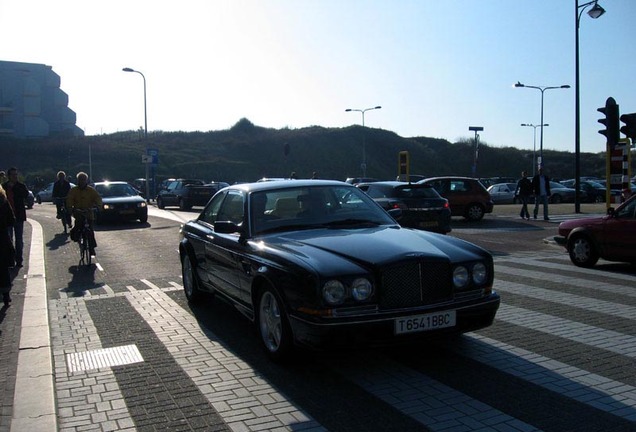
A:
(328, 250)
(122, 200)
(569, 225)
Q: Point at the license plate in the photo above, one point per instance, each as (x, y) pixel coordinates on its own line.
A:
(421, 323)
(128, 211)
(428, 223)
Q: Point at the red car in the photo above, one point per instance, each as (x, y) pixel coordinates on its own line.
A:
(611, 237)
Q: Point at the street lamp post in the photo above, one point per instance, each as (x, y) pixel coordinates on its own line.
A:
(476, 155)
(127, 69)
(364, 153)
(534, 146)
(594, 13)
(542, 89)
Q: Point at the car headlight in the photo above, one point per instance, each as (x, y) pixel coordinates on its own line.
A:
(480, 274)
(460, 276)
(107, 207)
(141, 205)
(361, 289)
(334, 292)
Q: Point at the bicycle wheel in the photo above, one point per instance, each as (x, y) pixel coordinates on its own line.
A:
(85, 255)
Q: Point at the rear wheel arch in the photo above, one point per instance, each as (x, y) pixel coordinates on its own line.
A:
(191, 283)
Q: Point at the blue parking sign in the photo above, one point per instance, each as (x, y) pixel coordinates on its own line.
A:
(154, 154)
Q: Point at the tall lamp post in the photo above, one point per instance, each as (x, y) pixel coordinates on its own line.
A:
(364, 153)
(476, 156)
(542, 89)
(595, 12)
(127, 69)
(534, 146)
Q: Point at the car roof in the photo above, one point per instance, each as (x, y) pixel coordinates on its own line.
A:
(449, 177)
(110, 182)
(394, 183)
(504, 183)
(279, 184)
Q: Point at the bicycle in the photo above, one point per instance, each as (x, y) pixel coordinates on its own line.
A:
(86, 236)
(62, 214)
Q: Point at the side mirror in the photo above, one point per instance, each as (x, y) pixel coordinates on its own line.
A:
(227, 227)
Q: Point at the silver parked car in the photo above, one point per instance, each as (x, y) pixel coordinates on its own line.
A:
(46, 194)
(503, 193)
(561, 193)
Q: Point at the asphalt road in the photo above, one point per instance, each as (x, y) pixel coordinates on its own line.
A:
(559, 357)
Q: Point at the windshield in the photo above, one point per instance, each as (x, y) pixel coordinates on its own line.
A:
(115, 190)
(316, 206)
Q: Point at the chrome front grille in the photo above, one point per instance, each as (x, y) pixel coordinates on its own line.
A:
(415, 284)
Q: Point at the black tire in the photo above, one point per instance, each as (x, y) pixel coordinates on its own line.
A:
(582, 251)
(183, 205)
(160, 204)
(38, 199)
(190, 280)
(474, 212)
(273, 325)
(85, 254)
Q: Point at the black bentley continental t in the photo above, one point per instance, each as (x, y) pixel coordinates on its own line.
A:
(318, 263)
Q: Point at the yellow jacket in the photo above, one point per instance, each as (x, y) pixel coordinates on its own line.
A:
(83, 199)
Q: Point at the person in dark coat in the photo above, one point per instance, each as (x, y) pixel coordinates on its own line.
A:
(524, 193)
(541, 188)
(61, 187)
(7, 220)
(17, 195)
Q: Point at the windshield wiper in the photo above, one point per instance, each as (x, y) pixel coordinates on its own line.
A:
(292, 227)
(351, 222)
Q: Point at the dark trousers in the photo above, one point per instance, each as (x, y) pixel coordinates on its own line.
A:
(61, 210)
(16, 234)
(524, 206)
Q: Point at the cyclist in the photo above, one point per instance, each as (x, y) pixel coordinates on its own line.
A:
(84, 197)
(61, 187)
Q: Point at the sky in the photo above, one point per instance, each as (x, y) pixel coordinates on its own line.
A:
(435, 67)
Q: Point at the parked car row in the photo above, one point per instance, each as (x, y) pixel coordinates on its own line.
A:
(504, 193)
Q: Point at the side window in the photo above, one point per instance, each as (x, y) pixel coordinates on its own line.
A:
(375, 192)
(232, 208)
(212, 209)
(458, 186)
(628, 212)
(438, 185)
(172, 186)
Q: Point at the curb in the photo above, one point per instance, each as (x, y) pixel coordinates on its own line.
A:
(34, 396)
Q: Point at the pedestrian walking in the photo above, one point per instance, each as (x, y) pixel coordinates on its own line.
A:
(541, 188)
(17, 194)
(524, 193)
(7, 251)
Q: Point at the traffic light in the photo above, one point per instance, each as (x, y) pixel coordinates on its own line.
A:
(610, 121)
(630, 126)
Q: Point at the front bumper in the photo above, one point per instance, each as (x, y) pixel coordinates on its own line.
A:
(353, 331)
(561, 240)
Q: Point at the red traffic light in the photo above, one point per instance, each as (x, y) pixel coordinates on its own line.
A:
(610, 121)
